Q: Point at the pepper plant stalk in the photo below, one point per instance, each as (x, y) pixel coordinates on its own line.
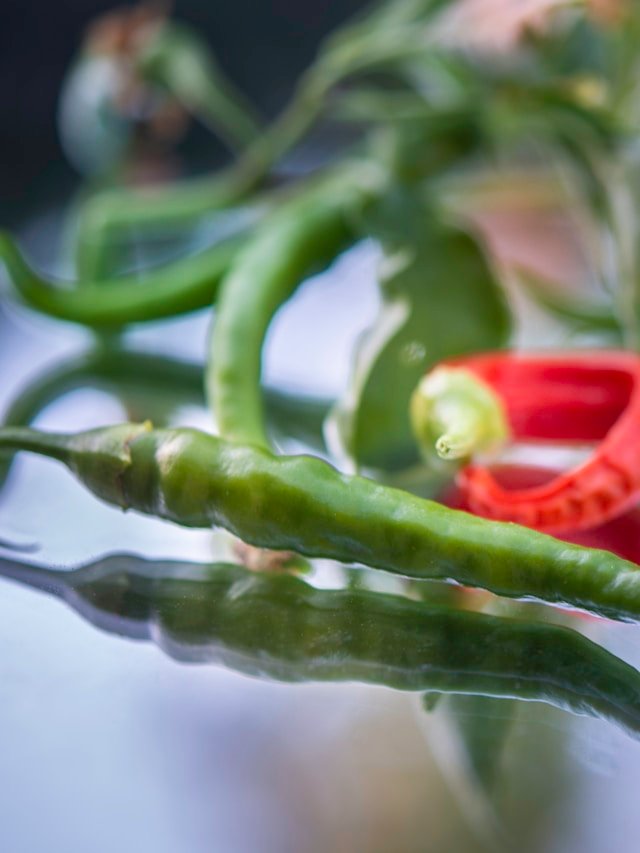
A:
(386, 38)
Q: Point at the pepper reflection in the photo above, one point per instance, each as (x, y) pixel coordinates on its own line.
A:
(278, 626)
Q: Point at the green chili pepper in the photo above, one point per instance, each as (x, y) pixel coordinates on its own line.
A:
(280, 627)
(176, 288)
(302, 504)
(389, 37)
(301, 237)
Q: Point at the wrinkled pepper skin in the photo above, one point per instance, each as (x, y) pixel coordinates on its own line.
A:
(305, 505)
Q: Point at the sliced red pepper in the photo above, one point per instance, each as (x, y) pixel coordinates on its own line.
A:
(567, 397)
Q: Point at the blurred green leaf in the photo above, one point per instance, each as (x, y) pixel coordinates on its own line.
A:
(575, 311)
(440, 298)
(575, 45)
(484, 724)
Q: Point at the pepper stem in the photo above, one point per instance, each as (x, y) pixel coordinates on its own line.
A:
(36, 577)
(98, 457)
(53, 445)
(457, 445)
(457, 415)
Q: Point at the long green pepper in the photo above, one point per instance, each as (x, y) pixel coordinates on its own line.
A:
(301, 237)
(305, 505)
(175, 288)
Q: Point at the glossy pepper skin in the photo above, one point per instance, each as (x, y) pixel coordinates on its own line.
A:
(304, 505)
(176, 288)
(562, 398)
(300, 238)
(277, 626)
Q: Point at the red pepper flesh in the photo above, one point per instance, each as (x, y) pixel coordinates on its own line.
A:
(563, 398)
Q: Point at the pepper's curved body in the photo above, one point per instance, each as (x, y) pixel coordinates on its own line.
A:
(569, 397)
(176, 288)
(302, 504)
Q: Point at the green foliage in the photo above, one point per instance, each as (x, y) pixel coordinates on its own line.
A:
(440, 298)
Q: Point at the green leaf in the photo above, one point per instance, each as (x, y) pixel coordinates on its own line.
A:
(577, 312)
(440, 299)
(484, 724)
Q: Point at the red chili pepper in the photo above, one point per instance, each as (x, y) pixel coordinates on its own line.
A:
(563, 397)
(471, 404)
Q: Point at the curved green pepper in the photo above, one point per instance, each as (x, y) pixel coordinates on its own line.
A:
(175, 288)
(302, 236)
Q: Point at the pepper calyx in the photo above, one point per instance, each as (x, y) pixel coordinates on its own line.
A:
(455, 415)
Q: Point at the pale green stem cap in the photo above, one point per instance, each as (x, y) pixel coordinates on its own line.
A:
(457, 415)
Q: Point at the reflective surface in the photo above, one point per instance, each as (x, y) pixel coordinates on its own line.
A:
(325, 711)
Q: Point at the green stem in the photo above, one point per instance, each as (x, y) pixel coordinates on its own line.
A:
(51, 445)
(178, 59)
(381, 42)
(457, 415)
(576, 311)
(118, 209)
(624, 232)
